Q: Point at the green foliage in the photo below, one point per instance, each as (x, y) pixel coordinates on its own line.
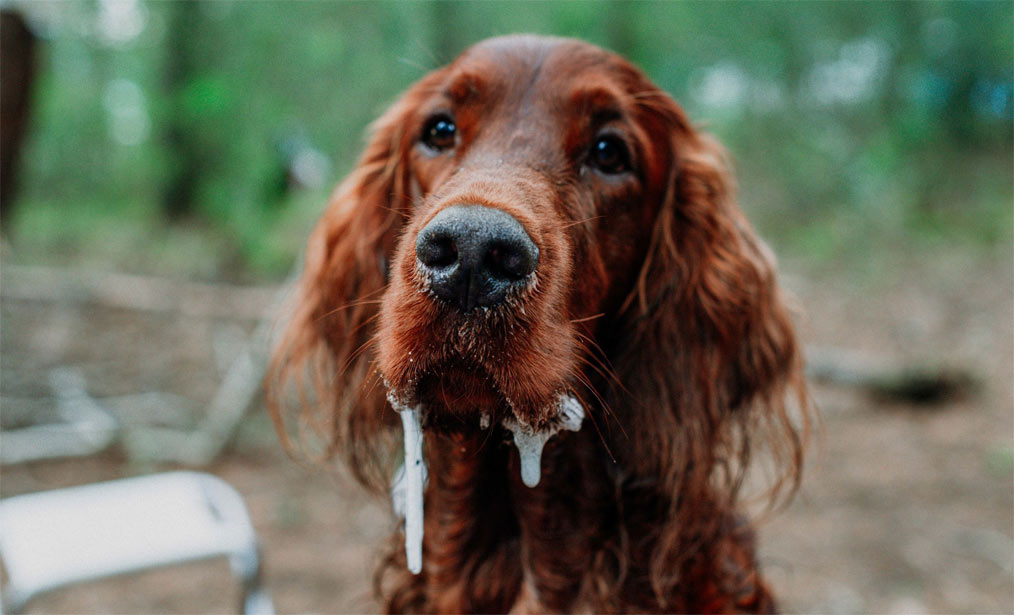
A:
(848, 121)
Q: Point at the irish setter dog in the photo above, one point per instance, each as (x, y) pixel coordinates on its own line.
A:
(539, 263)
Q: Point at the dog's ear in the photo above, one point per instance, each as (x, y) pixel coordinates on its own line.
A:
(322, 371)
(710, 352)
(724, 299)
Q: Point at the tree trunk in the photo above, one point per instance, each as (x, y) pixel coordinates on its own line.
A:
(183, 153)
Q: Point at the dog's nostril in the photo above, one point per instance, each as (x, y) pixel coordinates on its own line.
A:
(437, 252)
(511, 261)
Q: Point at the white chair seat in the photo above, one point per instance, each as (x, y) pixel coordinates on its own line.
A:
(65, 536)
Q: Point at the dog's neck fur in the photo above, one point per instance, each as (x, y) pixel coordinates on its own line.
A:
(578, 541)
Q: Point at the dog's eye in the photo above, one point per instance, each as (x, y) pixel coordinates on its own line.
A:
(609, 155)
(439, 133)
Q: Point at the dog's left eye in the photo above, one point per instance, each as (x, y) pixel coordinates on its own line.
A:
(439, 133)
(609, 155)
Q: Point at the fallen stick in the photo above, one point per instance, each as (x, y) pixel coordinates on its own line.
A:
(134, 292)
(923, 384)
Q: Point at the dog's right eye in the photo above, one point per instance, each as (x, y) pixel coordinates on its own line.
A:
(609, 155)
(439, 133)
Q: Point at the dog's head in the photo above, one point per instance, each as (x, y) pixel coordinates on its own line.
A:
(533, 222)
(531, 177)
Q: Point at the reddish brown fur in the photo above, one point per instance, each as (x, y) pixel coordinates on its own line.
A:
(653, 301)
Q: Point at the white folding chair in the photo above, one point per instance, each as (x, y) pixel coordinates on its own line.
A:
(61, 537)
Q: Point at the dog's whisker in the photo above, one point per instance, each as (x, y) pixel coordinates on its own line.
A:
(593, 352)
(580, 222)
(588, 318)
(591, 415)
(354, 356)
(606, 408)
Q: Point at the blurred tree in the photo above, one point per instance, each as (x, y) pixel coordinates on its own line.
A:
(446, 32)
(620, 33)
(17, 74)
(183, 152)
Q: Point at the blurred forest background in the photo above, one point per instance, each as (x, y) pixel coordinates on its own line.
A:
(201, 138)
(176, 155)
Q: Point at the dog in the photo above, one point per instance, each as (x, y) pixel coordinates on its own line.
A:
(538, 268)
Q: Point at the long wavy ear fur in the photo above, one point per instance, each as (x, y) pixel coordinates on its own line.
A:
(322, 371)
(708, 317)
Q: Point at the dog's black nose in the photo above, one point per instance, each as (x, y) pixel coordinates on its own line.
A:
(474, 255)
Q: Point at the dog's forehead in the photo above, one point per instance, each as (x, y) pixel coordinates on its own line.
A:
(541, 61)
(528, 47)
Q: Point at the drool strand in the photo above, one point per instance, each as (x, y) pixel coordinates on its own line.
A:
(414, 471)
(530, 442)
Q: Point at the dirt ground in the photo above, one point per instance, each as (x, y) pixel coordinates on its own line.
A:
(904, 508)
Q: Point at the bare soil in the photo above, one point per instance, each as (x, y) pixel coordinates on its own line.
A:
(904, 509)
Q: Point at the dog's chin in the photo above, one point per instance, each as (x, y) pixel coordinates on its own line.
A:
(458, 395)
(459, 392)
